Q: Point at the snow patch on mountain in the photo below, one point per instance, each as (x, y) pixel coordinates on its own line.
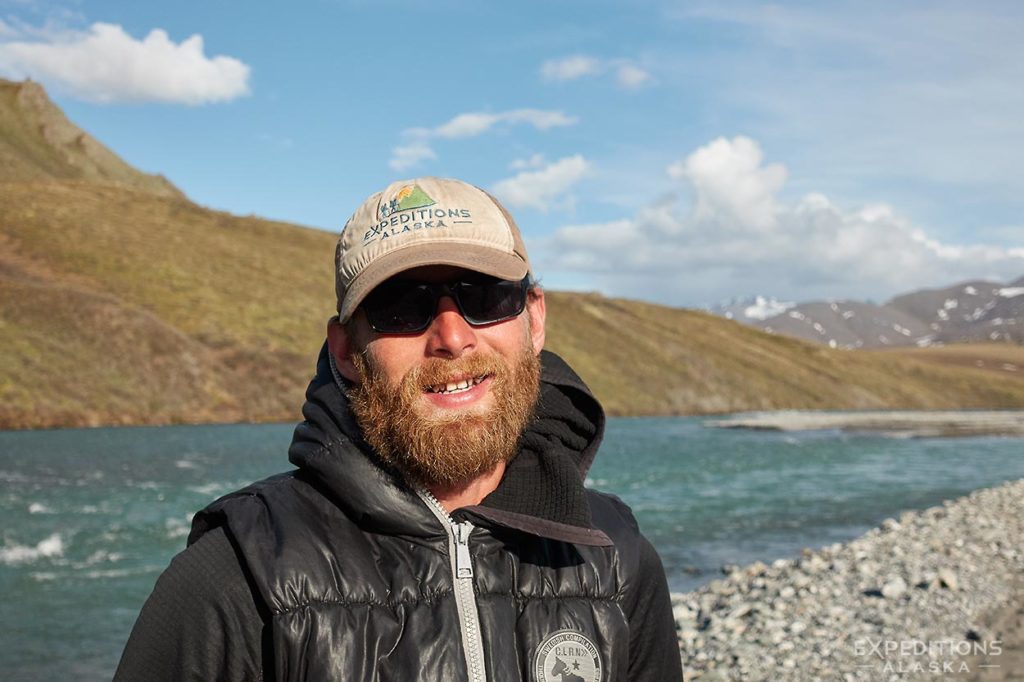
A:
(968, 311)
(763, 308)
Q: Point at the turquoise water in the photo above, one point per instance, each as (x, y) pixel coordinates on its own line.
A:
(91, 517)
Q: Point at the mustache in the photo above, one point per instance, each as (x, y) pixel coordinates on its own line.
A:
(436, 371)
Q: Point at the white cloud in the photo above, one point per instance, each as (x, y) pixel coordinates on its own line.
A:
(466, 125)
(407, 156)
(278, 141)
(627, 74)
(471, 124)
(738, 236)
(478, 123)
(6, 31)
(105, 64)
(541, 189)
(732, 187)
(570, 68)
(535, 161)
(632, 77)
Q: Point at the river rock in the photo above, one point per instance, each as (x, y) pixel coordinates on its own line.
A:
(947, 578)
(894, 589)
(740, 611)
(804, 618)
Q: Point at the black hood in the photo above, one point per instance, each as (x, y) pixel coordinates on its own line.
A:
(541, 492)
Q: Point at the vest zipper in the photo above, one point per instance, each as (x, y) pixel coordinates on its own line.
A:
(462, 579)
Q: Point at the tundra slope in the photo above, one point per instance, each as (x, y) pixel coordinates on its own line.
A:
(122, 302)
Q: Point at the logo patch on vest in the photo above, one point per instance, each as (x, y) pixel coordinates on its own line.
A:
(567, 656)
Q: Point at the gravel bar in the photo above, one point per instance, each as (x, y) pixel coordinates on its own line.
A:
(931, 595)
(904, 423)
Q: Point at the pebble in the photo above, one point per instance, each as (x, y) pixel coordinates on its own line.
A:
(809, 617)
(947, 578)
(741, 610)
(894, 589)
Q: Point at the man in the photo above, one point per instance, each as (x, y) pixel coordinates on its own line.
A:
(436, 527)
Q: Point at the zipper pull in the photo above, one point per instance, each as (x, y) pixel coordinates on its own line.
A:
(463, 562)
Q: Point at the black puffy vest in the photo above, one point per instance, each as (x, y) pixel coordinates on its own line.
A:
(365, 579)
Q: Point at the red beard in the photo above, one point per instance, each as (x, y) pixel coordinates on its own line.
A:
(452, 447)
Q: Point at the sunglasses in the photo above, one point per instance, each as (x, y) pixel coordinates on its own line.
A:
(408, 307)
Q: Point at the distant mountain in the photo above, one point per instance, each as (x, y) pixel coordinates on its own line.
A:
(122, 302)
(971, 311)
(976, 311)
(848, 324)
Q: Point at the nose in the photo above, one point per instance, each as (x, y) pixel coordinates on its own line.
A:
(450, 336)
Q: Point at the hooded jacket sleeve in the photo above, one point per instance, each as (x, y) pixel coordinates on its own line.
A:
(653, 643)
(200, 622)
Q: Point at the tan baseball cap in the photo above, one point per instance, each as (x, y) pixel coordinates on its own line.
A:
(425, 221)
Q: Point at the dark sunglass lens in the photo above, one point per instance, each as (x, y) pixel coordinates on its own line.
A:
(399, 308)
(491, 301)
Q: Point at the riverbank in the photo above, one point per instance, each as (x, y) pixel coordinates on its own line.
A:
(934, 593)
(904, 423)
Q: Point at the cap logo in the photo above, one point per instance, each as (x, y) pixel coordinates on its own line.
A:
(413, 210)
(567, 656)
(410, 196)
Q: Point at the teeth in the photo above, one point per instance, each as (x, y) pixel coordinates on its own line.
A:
(456, 386)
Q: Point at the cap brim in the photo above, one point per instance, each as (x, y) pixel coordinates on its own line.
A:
(471, 256)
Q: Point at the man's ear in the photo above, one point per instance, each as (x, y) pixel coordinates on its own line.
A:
(342, 346)
(537, 311)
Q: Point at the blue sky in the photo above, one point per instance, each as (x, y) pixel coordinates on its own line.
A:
(680, 152)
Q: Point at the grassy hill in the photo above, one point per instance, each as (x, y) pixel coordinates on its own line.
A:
(122, 302)
(37, 141)
(642, 358)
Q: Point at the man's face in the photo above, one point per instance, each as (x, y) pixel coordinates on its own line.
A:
(447, 404)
